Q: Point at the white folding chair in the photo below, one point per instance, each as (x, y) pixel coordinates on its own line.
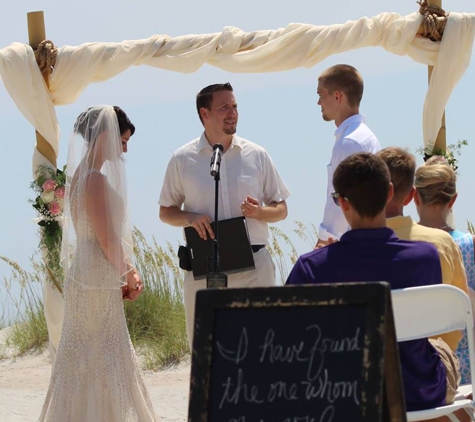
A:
(429, 311)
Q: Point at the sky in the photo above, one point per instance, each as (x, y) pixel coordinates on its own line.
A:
(277, 110)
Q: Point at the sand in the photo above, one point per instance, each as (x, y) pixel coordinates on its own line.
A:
(24, 381)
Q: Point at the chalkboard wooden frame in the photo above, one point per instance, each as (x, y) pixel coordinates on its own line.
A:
(381, 387)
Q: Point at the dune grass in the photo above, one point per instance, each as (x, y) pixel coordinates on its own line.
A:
(282, 247)
(24, 314)
(156, 320)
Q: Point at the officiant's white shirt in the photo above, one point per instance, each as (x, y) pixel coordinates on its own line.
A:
(246, 169)
(350, 137)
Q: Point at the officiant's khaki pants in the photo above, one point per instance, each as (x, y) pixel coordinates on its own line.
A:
(262, 276)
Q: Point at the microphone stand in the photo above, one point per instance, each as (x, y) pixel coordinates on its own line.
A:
(214, 277)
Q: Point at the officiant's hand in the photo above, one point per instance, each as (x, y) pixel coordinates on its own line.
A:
(202, 224)
(251, 208)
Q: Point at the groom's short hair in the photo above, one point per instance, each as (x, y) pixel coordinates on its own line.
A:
(204, 99)
(345, 78)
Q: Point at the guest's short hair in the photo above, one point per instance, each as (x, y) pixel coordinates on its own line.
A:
(345, 78)
(402, 168)
(204, 98)
(364, 180)
(436, 183)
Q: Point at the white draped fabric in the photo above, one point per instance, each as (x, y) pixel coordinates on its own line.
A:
(297, 45)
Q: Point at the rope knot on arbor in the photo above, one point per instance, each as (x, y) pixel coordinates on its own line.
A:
(434, 19)
(45, 55)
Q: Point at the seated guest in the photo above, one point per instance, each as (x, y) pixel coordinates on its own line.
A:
(436, 193)
(371, 252)
(402, 168)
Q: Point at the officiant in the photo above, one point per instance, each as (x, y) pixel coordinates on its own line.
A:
(250, 186)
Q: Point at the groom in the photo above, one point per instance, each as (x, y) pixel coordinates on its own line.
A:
(340, 91)
(250, 187)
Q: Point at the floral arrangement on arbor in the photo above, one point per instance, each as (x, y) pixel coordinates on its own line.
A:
(49, 187)
(450, 154)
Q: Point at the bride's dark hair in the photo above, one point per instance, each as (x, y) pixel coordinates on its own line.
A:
(85, 124)
(124, 121)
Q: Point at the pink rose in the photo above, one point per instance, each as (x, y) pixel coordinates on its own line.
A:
(49, 185)
(55, 208)
(59, 193)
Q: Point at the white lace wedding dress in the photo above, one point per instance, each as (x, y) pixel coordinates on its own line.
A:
(96, 376)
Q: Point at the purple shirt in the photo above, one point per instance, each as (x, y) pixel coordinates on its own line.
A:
(378, 255)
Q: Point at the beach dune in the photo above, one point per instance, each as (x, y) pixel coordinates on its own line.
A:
(24, 381)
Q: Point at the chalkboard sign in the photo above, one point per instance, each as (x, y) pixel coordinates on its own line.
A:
(319, 353)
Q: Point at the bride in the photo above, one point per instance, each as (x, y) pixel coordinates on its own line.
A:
(96, 376)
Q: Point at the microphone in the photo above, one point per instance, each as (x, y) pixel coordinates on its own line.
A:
(216, 159)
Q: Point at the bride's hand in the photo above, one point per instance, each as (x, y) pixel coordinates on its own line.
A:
(134, 286)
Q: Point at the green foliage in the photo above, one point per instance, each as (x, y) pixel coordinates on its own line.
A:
(45, 172)
(451, 153)
(28, 327)
(31, 335)
(156, 320)
(49, 212)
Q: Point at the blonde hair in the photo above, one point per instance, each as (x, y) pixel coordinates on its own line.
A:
(345, 78)
(436, 183)
(437, 159)
(402, 167)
